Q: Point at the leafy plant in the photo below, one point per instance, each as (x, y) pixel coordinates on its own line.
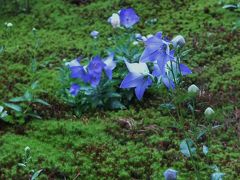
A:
(22, 106)
(26, 163)
(234, 7)
(134, 64)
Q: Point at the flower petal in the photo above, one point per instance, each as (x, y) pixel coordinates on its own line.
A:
(131, 80)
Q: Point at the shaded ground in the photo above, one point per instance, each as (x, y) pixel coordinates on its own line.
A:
(102, 144)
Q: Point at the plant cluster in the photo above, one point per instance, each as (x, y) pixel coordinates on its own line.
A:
(134, 62)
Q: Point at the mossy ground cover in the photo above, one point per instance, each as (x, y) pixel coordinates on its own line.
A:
(101, 144)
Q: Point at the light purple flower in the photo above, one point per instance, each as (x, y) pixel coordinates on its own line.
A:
(95, 68)
(128, 17)
(94, 34)
(138, 78)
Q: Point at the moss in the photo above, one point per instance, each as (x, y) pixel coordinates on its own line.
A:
(96, 145)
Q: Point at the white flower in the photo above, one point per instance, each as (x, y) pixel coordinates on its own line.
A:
(178, 41)
(208, 112)
(114, 20)
(193, 89)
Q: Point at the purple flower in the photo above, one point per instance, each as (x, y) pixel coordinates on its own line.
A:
(157, 50)
(74, 89)
(109, 65)
(79, 72)
(170, 174)
(128, 17)
(95, 68)
(138, 78)
(94, 34)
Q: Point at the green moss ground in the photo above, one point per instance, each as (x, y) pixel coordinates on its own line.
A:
(96, 145)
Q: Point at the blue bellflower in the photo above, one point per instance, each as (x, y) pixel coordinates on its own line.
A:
(170, 174)
(74, 89)
(157, 50)
(138, 78)
(128, 17)
(95, 68)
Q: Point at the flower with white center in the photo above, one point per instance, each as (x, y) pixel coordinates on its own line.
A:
(208, 112)
(114, 20)
(193, 89)
(137, 68)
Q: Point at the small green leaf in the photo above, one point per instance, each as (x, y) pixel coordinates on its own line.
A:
(36, 174)
(18, 99)
(117, 105)
(28, 96)
(22, 165)
(34, 85)
(187, 147)
(35, 116)
(14, 107)
(40, 101)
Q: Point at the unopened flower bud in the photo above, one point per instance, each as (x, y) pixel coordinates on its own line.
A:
(170, 174)
(27, 149)
(114, 20)
(178, 41)
(193, 89)
(208, 112)
(94, 34)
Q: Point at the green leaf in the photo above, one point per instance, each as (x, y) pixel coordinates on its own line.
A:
(18, 99)
(187, 147)
(168, 106)
(230, 6)
(22, 165)
(40, 101)
(34, 115)
(14, 107)
(117, 105)
(36, 174)
(28, 96)
(34, 85)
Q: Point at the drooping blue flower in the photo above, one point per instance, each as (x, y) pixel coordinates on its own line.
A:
(110, 64)
(74, 89)
(170, 174)
(94, 34)
(128, 17)
(138, 78)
